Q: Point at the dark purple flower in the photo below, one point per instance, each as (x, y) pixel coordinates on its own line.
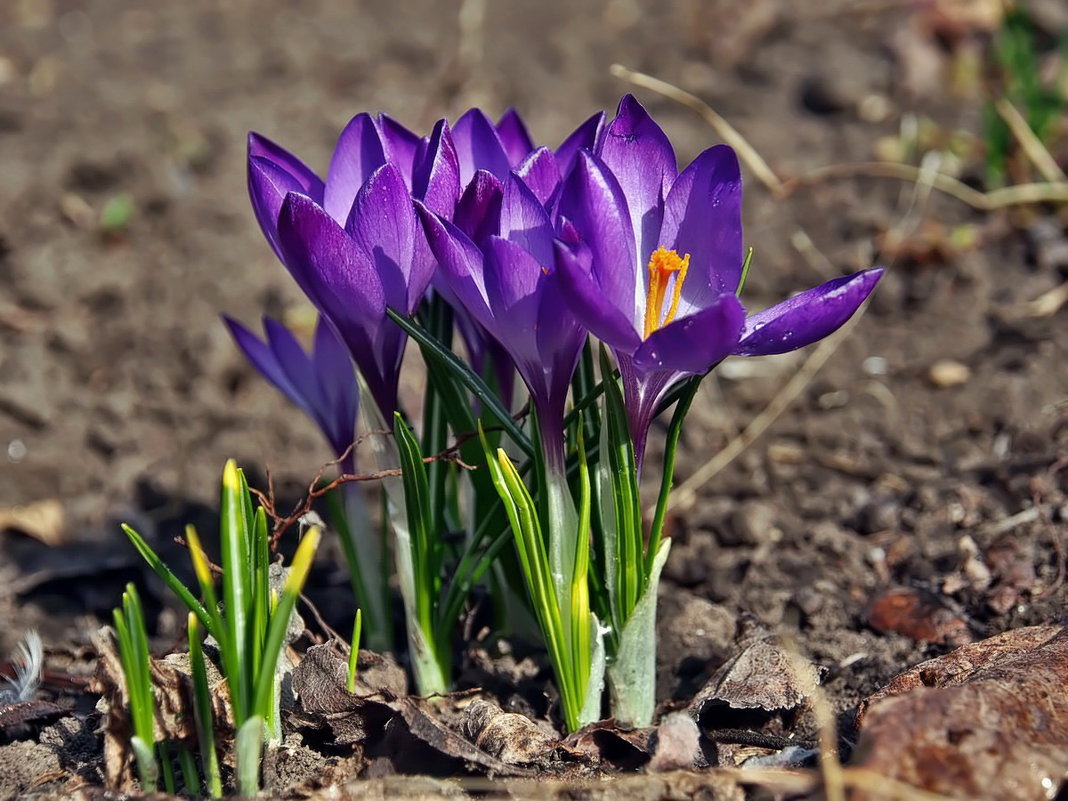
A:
(352, 243)
(322, 383)
(652, 259)
(507, 284)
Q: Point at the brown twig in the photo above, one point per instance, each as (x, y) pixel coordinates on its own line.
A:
(317, 489)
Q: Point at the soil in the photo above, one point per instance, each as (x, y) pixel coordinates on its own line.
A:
(929, 443)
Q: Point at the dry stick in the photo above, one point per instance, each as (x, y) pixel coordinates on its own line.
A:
(830, 765)
(1017, 195)
(1029, 142)
(726, 131)
(1051, 192)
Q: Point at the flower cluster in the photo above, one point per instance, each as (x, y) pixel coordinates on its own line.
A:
(534, 251)
(534, 248)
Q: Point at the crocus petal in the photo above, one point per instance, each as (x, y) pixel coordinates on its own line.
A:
(514, 136)
(593, 201)
(382, 223)
(691, 345)
(437, 172)
(359, 153)
(539, 172)
(525, 222)
(268, 184)
(808, 317)
(337, 380)
(461, 263)
(479, 209)
(261, 356)
(511, 280)
(479, 146)
(296, 364)
(585, 137)
(260, 147)
(343, 284)
(399, 144)
(639, 154)
(703, 217)
(588, 303)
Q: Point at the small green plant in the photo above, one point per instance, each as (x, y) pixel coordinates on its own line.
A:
(1018, 79)
(249, 628)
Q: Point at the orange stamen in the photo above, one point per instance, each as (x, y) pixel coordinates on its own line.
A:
(664, 265)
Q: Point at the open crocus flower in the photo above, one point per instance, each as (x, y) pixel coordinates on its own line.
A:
(352, 242)
(507, 284)
(322, 383)
(653, 261)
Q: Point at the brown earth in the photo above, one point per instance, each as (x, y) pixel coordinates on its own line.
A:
(941, 417)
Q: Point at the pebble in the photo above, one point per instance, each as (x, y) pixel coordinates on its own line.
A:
(750, 524)
(949, 373)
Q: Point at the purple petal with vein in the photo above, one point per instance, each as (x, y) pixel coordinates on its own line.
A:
(807, 317)
(703, 217)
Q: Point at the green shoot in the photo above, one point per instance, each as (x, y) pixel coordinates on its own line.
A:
(205, 723)
(133, 653)
(354, 651)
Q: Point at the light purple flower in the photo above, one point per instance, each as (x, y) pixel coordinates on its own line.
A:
(322, 383)
(652, 261)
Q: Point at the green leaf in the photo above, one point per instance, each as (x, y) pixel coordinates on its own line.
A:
(235, 535)
(668, 475)
(172, 581)
(264, 690)
(202, 714)
(354, 651)
(624, 541)
(632, 673)
(424, 542)
(147, 769)
(248, 748)
(433, 350)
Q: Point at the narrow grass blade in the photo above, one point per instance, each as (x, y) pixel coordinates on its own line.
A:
(668, 476)
(190, 776)
(287, 601)
(172, 581)
(424, 542)
(147, 769)
(235, 535)
(202, 714)
(354, 651)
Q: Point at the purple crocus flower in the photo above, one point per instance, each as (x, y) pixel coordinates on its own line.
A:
(652, 260)
(352, 242)
(487, 153)
(322, 383)
(506, 282)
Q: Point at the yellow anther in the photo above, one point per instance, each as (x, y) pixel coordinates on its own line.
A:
(664, 266)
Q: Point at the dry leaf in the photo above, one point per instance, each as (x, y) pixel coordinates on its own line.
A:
(988, 721)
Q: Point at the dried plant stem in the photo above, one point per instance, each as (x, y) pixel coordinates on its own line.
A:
(1031, 145)
(1053, 191)
(727, 132)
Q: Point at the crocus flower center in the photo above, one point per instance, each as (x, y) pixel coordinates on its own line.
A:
(665, 267)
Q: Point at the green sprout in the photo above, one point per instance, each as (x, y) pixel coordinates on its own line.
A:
(250, 628)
